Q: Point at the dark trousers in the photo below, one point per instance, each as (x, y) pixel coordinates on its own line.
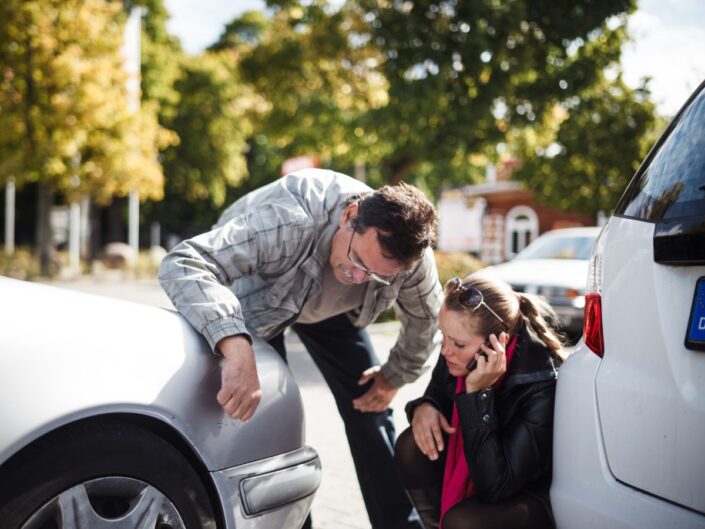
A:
(423, 479)
(342, 352)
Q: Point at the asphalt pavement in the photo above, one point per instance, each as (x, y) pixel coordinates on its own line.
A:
(338, 503)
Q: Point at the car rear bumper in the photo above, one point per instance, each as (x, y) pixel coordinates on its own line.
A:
(584, 493)
(272, 493)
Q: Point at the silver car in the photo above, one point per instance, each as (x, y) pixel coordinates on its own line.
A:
(555, 267)
(109, 419)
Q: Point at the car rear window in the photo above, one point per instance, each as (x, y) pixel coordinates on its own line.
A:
(673, 184)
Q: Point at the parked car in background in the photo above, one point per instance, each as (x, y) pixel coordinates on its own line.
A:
(554, 266)
(630, 403)
(109, 419)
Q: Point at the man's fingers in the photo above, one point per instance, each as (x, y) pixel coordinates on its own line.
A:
(367, 375)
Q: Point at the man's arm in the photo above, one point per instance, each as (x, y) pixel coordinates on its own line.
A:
(417, 308)
(418, 304)
(197, 275)
(240, 391)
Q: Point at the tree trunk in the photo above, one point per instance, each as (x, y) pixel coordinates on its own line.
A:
(45, 243)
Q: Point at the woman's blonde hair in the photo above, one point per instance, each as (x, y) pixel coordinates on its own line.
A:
(516, 309)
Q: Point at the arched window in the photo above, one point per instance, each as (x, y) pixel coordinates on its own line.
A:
(521, 227)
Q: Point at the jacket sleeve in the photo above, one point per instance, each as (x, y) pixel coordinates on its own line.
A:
(197, 274)
(416, 306)
(502, 462)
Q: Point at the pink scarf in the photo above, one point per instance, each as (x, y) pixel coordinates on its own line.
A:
(457, 484)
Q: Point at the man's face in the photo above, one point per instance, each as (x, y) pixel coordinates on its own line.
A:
(365, 253)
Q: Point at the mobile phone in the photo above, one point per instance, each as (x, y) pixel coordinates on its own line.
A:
(472, 364)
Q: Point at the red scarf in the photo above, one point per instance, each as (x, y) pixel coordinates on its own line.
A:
(457, 484)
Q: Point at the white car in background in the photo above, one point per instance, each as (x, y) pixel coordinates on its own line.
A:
(554, 266)
(629, 437)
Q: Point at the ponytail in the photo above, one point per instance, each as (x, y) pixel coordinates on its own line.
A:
(541, 320)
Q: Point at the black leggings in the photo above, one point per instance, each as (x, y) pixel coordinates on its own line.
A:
(520, 511)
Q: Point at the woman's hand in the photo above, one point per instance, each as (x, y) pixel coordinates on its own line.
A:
(488, 371)
(428, 425)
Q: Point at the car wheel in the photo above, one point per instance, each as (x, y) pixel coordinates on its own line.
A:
(103, 476)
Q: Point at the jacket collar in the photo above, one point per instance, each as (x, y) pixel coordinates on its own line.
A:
(532, 361)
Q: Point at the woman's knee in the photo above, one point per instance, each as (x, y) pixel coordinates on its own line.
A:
(406, 453)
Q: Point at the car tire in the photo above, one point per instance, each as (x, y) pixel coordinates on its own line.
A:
(103, 470)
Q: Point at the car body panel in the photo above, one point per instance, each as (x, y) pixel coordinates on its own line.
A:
(67, 356)
(663, 456)
(71, 355)
(230, 482)
(584, 493)
(629, 423)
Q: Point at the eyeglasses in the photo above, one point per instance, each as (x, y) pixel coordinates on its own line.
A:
(371, 275)
(470, 297)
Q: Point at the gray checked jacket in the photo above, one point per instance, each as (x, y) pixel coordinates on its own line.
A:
(253, 272)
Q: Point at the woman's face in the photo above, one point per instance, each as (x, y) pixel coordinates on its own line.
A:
(459, 343)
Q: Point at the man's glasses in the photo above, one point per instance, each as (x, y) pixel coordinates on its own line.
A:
(469, 297)
(371, 275)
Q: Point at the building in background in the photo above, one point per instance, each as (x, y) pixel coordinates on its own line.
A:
(497, 219)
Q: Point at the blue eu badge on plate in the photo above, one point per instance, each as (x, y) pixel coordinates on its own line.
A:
(695, 335)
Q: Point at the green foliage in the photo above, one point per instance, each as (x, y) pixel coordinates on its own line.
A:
(451, 264)
(213, 125)
(315, 81)
(460, 72)
(65, 118)
(588, 148)
(21, 265)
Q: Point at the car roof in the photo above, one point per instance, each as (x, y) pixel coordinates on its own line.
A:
(566, 232)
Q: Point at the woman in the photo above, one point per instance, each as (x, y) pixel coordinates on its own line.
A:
(478, 453)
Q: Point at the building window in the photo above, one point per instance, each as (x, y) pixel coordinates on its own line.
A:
(521, 227)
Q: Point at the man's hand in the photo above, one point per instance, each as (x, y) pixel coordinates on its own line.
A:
(240, 391)
(378, 397)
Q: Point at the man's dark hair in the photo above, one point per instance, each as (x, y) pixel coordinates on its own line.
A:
(405, 218)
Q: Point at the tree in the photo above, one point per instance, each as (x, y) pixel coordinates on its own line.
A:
(461, 73)
(317, 79)
(213, 121)
(65, 120)
(588, 148)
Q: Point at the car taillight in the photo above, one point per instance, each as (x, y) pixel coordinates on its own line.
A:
(592, 324)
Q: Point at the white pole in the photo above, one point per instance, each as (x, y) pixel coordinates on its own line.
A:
(74, 236)
(85, 228)
(131, 55)
(155, 234)
(10, 217)
(134, 215)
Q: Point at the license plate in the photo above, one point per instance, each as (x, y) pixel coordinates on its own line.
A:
(695, 335)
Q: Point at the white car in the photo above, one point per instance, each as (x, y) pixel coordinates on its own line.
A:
(555, 267)
(629, 438)
(109, 419)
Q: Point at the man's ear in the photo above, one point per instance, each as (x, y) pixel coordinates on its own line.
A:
(349, 213)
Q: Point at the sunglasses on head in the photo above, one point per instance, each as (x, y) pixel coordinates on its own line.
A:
(469, 297)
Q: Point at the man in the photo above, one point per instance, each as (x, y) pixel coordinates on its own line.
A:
(320, 252)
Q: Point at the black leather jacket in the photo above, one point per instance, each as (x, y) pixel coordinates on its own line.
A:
(508, 431)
